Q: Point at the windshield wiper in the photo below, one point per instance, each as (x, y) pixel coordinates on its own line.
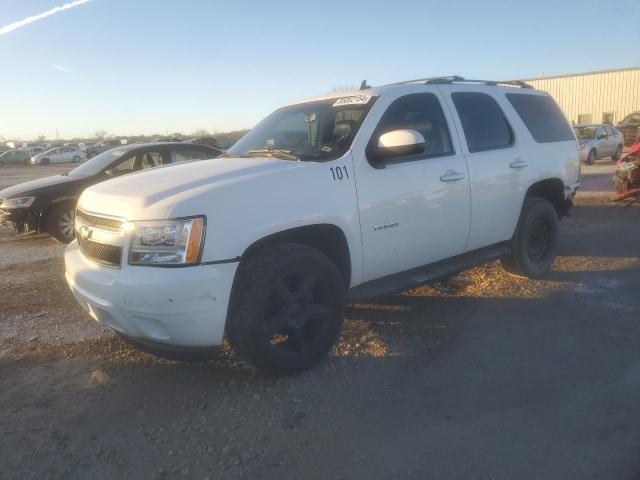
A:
(273, 152)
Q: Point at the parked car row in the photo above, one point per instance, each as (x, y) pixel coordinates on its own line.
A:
(48, 204)
(599, 141)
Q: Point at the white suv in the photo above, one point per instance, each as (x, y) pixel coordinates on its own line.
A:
(343, 196)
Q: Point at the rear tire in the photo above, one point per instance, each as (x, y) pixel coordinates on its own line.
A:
(616, 156)
(76, 159)
(286, 309)
(535, 242)
(61, 222)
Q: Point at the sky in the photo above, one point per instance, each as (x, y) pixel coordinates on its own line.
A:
(158, 66)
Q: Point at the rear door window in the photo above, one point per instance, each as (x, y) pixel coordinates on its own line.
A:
(185, 155)
(484, 124)
(542, 116)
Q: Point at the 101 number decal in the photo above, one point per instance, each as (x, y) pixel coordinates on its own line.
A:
(339, 173)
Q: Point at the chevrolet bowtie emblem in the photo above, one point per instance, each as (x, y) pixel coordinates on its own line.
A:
(86, 232)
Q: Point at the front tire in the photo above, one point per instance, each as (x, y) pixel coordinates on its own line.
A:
(535, 242)
(591, 158)
(61, 223)
(76, 159)
(44, 161)
(287, 308)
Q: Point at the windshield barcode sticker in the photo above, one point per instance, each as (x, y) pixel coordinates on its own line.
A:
(353, 100)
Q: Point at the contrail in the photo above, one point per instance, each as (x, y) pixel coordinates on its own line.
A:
(60, 67)
(34, 18)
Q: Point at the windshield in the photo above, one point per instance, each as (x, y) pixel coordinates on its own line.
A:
(313, 131)
(97, 163)
(585, 133)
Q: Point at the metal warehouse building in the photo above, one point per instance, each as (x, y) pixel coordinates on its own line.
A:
(594, 97)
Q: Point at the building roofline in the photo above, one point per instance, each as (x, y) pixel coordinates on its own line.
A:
(581, 74)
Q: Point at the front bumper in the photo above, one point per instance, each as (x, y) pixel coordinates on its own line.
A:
(23, 219)
(14, 215)
(184, 307)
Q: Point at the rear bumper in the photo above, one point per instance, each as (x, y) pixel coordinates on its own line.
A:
(180, 307)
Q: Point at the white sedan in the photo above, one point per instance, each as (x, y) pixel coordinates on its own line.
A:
(58, 155)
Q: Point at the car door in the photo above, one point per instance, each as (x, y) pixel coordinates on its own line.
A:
(612, 140)
(63, 156)
(499, 169)
(602, 142)
(55, 156)
(414, 209)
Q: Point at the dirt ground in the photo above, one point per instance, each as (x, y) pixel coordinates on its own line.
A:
(498, 378)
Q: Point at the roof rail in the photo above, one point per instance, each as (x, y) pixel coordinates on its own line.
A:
(458, 79)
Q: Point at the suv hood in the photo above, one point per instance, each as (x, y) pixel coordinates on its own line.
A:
(33, 186)
(155, 192)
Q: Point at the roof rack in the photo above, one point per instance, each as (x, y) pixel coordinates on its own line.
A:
(458, 79)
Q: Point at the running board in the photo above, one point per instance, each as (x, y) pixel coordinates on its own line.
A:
(416, 277)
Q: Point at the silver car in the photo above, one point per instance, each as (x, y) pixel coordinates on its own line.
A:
(59, 155)
(599, 141)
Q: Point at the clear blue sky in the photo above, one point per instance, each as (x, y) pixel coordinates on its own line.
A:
(145, 66)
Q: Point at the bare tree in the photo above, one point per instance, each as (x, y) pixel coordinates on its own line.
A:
(41, 138)
(100, 134)
(201, 132)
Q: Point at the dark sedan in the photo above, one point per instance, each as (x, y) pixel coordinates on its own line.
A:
(48, 204)
(630, 128)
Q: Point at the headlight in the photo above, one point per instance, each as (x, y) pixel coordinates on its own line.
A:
(582, 146)
(166, 242)
(18, 202)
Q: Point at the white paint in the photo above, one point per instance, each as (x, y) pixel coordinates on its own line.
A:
(395, 218)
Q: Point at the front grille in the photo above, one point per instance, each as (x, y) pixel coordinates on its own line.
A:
(99, 221)
(101, 252)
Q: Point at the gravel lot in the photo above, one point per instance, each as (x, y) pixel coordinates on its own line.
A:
(499, 378)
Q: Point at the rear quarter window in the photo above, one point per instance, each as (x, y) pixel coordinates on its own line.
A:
(542, 116)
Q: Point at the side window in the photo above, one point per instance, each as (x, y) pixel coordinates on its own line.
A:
(421, 112)
(184, 155)
(609, 130)
(125, 165)
(152, 159)
(485, 126)
(601, 132)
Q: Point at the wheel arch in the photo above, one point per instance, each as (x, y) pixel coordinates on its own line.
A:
(551, 189)
(42, 218)
(325, 237)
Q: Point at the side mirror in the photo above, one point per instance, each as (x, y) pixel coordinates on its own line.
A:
(397, 143)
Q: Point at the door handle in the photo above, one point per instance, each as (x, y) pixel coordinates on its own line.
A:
(518, 163)
(451, 176)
